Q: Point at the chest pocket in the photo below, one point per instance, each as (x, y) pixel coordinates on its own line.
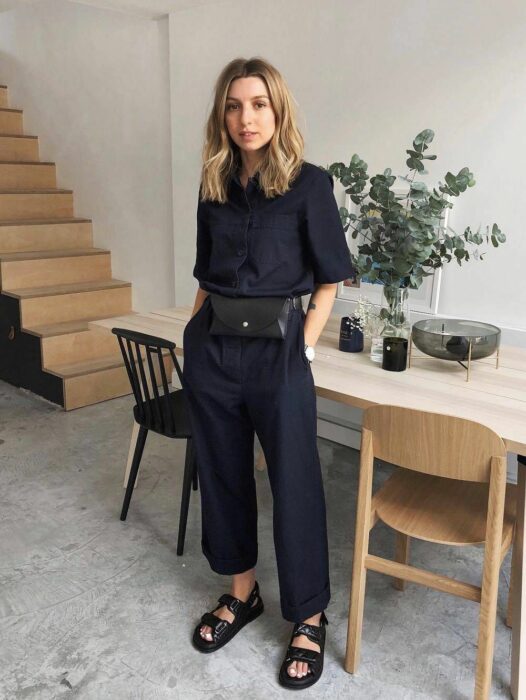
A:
(228, 246)
(274, 237)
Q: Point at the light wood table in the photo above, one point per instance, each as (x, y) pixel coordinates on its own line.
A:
(494, 397)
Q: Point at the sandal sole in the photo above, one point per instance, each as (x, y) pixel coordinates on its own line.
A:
(208, 647)
(287, 681)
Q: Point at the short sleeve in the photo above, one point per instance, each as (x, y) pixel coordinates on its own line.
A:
(329, 253)
(202, 257)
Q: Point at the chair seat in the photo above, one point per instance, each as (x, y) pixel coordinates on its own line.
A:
(179, 409)
(438, 509)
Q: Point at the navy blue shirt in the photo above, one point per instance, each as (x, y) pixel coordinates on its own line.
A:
(282, 246)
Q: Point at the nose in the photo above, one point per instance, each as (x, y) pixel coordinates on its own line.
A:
(246, 118)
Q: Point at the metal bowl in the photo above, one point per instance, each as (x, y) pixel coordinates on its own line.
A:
(449, 339)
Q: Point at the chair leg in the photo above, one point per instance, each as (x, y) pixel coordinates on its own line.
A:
(189, 471)
(514, 564)
(490, 579)
(139, 447)
(402, 544)
(361, 546)
(131, 452)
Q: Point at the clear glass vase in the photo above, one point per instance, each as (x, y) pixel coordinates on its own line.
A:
(395, 312)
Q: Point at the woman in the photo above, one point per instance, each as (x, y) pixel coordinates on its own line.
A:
(267, 226)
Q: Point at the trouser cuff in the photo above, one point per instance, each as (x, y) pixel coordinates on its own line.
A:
(298, 613)
(229, 567)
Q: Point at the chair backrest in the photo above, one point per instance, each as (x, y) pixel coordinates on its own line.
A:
(154, 409)
(433, 443)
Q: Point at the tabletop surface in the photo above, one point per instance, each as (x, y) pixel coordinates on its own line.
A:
(494, 397)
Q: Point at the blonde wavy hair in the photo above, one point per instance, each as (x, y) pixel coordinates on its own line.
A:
(221, 158)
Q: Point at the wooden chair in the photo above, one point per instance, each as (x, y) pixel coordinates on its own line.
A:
(165, 412)
(451, 489)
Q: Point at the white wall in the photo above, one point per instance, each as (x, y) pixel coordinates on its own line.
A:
(368, 76)
(93, 85)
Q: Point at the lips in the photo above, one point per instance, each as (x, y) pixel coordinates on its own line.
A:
(248, 133)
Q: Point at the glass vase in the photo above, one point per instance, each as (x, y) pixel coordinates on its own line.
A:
(395, 312)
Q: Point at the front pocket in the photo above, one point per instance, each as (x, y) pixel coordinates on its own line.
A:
(301, 335)
(198, 312)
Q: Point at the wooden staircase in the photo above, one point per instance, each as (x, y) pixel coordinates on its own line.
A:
(53, 281)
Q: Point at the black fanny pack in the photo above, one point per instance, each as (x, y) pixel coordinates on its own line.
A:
(255, 317)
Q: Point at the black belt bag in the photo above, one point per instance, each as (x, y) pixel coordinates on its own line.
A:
(255, 317)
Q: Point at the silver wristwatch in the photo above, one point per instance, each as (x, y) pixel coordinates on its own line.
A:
(309, 352)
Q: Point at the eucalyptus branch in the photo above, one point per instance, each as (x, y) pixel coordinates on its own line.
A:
(396, 245)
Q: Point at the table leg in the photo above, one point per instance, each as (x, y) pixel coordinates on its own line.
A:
(131, 451)
(518, 634)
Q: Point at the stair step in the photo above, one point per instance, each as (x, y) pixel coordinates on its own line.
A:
(65, 327)
(11, 121)
(68, 302)
(27, 205)
(16, 176)
(89, 383)
(58, 289)
(45, 234)
(78, 369)
(38, 268)
(22, 148)
(84, 346)
(48, 254)
(35, 190)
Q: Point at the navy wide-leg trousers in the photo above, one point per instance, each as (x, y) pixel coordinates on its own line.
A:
(235, 386)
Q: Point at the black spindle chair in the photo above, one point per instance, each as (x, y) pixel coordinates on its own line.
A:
(163, 412)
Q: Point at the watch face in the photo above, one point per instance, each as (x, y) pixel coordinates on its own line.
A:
(309, 352)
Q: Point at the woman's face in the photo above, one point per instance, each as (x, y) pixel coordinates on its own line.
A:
(248, 109)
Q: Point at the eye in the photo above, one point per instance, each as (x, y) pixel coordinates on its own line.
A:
(262, 104)
(230, 106)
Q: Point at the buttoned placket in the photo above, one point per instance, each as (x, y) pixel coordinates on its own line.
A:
(251, 186)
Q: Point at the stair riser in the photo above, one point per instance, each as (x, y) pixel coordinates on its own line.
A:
(19, 149)
(100, 386)
(25, 274)
(78, 306)
(16, 207)
(81, 346)
(11, 123)
(3, 97)
(27, 176)
(20, 238)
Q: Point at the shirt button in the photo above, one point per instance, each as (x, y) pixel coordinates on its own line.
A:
(240, 252)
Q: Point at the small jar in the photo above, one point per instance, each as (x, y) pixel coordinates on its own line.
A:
(351, 334)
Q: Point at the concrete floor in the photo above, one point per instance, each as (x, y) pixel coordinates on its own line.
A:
(94, 608)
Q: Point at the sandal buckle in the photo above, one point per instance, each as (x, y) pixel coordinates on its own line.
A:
(221, 626)
(235, 605)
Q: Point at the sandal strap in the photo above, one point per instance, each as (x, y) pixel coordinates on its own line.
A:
(311, 631)
(299, 654)
(233, 604)
(216, 623)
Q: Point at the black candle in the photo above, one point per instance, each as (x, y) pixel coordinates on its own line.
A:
(351, 335)
(394, 354)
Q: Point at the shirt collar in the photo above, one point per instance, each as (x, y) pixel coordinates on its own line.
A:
(254, 178)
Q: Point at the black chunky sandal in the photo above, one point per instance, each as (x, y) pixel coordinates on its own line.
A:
(222, 630)
(314, 658)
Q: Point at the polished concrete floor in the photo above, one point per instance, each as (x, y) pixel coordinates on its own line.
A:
(94, 608)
